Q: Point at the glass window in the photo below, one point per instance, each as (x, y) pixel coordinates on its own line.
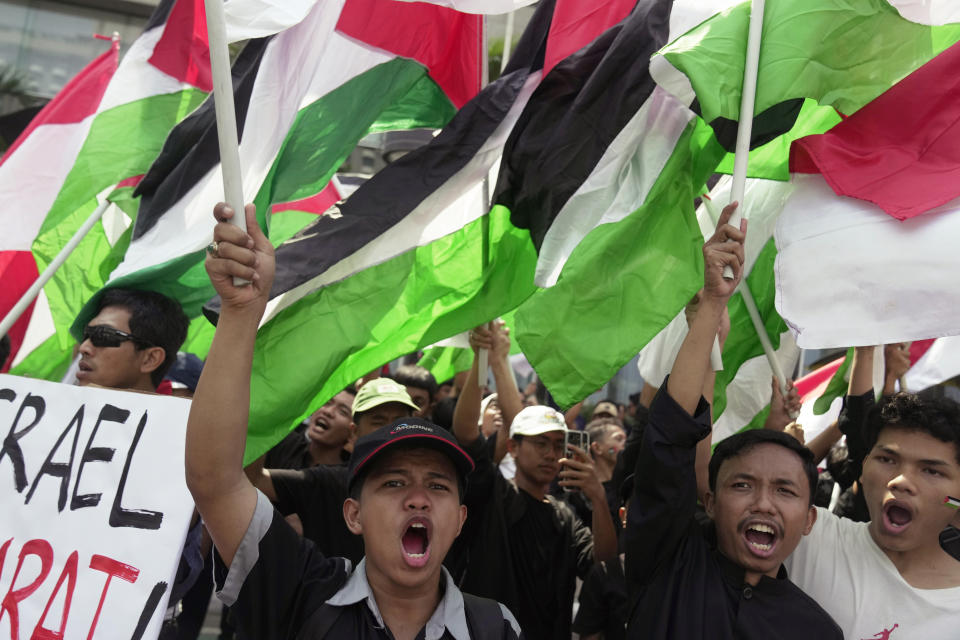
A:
(49, 42)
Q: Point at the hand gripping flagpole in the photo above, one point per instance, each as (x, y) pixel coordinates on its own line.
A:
(755, 319)
(226, 115)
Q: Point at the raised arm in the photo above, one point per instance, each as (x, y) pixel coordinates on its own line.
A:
(508, 395)
(217, 427)
(724, 248)
(466, 415)
(665, 485)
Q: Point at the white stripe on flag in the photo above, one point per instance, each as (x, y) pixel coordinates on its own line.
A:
(300, 65)
(32, 177)
(848, 274)
(940, 363)
(457, 203)
(619, 183)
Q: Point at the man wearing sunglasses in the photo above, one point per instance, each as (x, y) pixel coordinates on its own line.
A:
(132, 341)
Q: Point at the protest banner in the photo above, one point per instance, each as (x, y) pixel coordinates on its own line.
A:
(95, 509)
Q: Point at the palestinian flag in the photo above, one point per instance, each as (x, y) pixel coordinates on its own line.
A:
(592, 294)
(411, 258)
(163, 76)
(304, 98)
(400, 263)
(852, 52)
(30, 177)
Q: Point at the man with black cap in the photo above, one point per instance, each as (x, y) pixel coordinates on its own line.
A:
(316, 494)
(405, 480)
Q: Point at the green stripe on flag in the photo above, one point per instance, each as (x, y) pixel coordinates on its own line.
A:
(843, 54)
(328, 339)
(122, 143)
(394, 95)
(836, 388)
(446, 362)
(641, 271)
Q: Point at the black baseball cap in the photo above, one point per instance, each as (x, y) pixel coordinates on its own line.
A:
(409, 432)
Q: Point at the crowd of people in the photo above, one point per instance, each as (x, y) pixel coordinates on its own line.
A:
(407, 509)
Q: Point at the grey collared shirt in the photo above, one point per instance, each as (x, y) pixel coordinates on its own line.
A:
(273, 559)
(448, 616)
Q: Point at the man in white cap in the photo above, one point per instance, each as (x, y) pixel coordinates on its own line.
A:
(522, 546)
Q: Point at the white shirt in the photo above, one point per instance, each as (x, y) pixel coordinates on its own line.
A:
(842, 568)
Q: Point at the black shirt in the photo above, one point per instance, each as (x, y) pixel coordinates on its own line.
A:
(680, 585)
(521, 551)
(279, 586)
(603, 602)
(317, 495)
(293, 452)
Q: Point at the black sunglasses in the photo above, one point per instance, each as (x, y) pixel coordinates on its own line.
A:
(103, 336)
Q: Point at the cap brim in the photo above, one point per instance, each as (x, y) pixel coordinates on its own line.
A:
(536, 430)
(378, 401)
(461, 460)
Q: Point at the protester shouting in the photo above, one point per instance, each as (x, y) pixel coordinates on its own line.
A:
(725, 581)
(890, 577)
(405, 482)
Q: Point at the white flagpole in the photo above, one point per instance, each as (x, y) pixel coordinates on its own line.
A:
(482, 354)
(748, 96)
(14, 314)
(226, 114)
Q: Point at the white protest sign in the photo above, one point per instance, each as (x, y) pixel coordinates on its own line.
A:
(95, 509)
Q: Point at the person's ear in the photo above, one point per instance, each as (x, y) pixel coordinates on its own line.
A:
(463, 518)
(151, 358)
(351, 439)
(512, 445)
(351, 515)
(709, 503)
(811, 520)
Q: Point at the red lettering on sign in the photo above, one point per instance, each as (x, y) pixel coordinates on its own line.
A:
(41, 549)
(112, 568)
(69, 573)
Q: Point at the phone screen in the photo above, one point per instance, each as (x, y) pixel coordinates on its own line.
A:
(579, 439)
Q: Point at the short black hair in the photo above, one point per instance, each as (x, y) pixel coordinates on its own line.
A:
(739, 443)
(411, 375)
(937, 417)
(356, 487)
(155, 318)
(598, 427)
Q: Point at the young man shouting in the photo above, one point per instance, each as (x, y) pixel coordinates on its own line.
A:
(725, 580)
(889, 577)
(405, 483)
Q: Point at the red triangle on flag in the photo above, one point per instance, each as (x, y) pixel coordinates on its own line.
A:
(902, 150)
(448, 43)
(182, 51)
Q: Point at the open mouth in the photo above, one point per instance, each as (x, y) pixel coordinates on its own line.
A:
(416, 544)
(896, 517)
(761, 539)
